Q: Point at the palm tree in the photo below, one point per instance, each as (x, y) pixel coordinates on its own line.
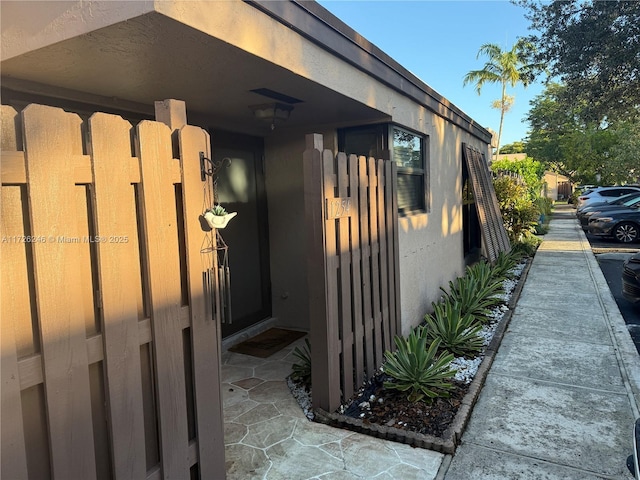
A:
(505, 68)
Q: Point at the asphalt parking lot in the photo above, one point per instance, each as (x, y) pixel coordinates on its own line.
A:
(611, 255)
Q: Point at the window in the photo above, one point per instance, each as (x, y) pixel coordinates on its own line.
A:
(399, 145)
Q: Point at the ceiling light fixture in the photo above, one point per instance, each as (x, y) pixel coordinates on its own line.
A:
(272, 112)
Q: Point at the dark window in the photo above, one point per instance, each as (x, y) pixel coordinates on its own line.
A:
(393, 143)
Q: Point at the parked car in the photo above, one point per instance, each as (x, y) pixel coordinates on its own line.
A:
(600, 207)
(606, 194)
(622, 224)
(631, 278)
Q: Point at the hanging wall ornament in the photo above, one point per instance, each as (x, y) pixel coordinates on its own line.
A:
(217, 276)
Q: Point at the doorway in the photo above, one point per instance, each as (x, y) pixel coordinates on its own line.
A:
(472, 240)
(241, 189)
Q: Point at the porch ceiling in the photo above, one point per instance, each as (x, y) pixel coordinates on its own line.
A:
(153, 57)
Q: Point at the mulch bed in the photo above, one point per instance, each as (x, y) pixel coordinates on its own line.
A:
(376, 405)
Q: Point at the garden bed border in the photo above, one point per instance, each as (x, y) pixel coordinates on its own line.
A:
(450, 439)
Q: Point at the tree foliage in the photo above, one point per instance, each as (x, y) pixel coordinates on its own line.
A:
(593, 47)
(583, 150)
(506, 68)
(515, 147)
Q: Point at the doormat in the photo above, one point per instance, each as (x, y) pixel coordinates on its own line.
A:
(267, 343)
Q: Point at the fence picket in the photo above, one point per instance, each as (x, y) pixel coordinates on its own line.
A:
(332, 266)
(363, 216)
(205, 329)
(374, 235)
(119, 273)
(391, 203)
(356, 271)
(345, 293)
(163, 271)
(52, 137)
(382, 232)
(14, 308)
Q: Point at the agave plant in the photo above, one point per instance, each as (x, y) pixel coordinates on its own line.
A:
(455, 330)
(504, 263)
(476, 296)
(301, 371)
(416, 369)
(485, 274)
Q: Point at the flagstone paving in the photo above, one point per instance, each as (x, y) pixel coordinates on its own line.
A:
(268, 437)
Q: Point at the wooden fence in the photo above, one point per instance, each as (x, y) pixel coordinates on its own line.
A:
(351, 211)
(110, 355)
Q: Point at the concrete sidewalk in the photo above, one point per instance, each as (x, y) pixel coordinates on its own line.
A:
(560, 399)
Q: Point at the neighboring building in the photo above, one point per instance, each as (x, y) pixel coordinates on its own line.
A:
(228, 59)
(556, 186)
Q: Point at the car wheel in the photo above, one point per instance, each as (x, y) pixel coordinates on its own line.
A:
(626, 232)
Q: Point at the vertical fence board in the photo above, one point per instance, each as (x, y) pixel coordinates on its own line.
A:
(159, 214)
(332, 265)
(14, 307)
(356, 270)
(324, 363)
(205, 329)
(85, 240)
(345, 294)
(394, 252)
(119, 279)
(363, 217)
(51, 138)
(382, 231)
(374, 235)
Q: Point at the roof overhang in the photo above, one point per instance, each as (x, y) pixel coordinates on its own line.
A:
(126, 55)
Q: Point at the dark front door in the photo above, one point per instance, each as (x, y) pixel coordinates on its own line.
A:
(240, 188)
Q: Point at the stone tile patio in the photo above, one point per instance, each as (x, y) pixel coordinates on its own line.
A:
(268, 437)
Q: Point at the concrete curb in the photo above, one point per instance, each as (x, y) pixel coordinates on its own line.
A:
(451, 437)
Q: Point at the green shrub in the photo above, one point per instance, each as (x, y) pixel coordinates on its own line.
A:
(527, 246)
(519, 214)
(302, 371)
(416, 369)
(457, 332)
(545, 206)
(531, 171)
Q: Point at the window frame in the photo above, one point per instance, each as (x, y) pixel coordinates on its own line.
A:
(384, 149)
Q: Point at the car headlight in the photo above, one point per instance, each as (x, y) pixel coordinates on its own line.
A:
(588, 214)
(602, 219)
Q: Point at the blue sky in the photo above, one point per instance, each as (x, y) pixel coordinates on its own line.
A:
(438, 41)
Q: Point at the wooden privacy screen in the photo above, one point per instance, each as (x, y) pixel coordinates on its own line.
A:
(352, 224)
(494, 235)
(110, 365)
